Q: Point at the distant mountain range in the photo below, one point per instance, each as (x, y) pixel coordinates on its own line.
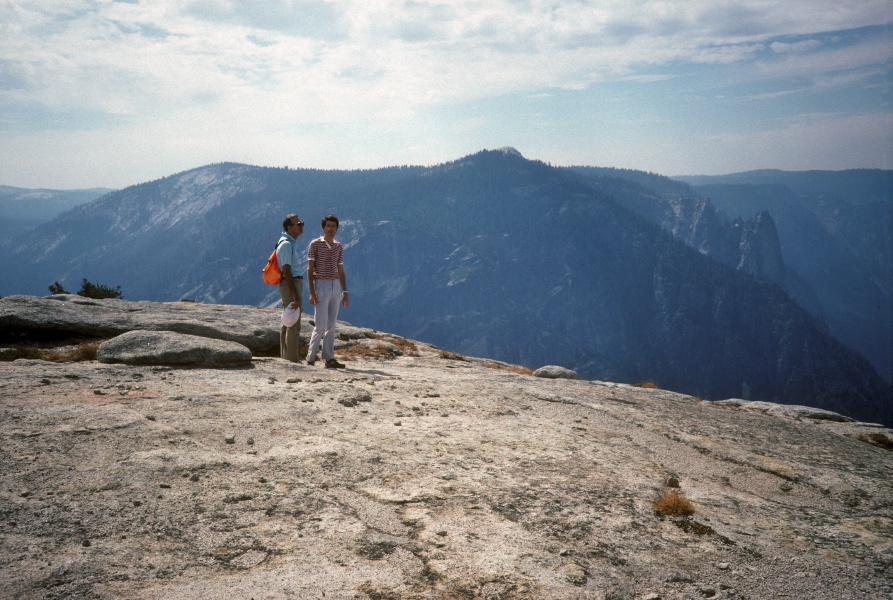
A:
(621, 275)
(22, 209)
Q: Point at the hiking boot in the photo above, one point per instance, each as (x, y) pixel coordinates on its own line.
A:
(333, 364)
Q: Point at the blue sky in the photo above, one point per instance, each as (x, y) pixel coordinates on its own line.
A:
(103, 93)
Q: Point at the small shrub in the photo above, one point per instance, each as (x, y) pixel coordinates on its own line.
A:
(648, 385)
(57, 288)
(89, 290)
(876, 439)
(452, 356)
(674, 504)
(98, 292)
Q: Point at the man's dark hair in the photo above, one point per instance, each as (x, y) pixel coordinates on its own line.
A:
(287, 221)
(332, 218)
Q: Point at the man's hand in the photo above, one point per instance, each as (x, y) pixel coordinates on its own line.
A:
(290, 284)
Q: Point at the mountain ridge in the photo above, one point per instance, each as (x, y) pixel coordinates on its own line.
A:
(454, 254)
(23, 209)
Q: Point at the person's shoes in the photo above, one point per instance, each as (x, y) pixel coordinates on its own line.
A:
(333, 364)
(311, 363)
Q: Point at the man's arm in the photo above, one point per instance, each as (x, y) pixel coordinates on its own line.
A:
(344, 300)
(290, 283)
(311, 282)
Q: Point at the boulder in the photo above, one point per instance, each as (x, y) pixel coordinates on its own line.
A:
(555, 372)
(169, 348)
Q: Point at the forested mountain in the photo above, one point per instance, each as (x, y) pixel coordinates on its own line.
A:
(836, 233)
(23, 209)
(492, 255)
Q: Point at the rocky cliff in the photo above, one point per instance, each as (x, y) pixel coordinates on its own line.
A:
(416, 473)
(751, 246)
(836, 233)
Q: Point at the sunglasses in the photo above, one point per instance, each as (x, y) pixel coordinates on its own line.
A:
(298, 223)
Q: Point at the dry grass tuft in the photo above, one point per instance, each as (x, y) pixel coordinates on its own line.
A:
(361, 351)
(648, 385)
(674, 504)
(452, 356)
(408, 346)
(876, 439)
(81, 352)
(17, 352)
(511, 369)
(381, 350)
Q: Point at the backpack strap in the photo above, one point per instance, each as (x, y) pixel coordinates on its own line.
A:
(277, 248)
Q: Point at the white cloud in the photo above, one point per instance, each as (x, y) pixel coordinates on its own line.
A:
(827, 58)
(787, 48)
(304, 18)
(233, 70)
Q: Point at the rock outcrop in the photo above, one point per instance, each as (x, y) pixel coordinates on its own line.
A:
(34, 318)
(761, 250)
(168, 348)
(555, 372)
(421, 474)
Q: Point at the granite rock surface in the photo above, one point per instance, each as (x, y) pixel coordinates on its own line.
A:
(420, 474)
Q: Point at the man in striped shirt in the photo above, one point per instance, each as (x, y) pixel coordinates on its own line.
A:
(328, 288)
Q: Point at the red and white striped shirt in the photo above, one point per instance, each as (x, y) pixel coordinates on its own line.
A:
(326, 258)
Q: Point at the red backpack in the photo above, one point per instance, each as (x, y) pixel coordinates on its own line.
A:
(272, 273)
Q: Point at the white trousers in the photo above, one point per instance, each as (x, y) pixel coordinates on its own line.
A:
(328, 300)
